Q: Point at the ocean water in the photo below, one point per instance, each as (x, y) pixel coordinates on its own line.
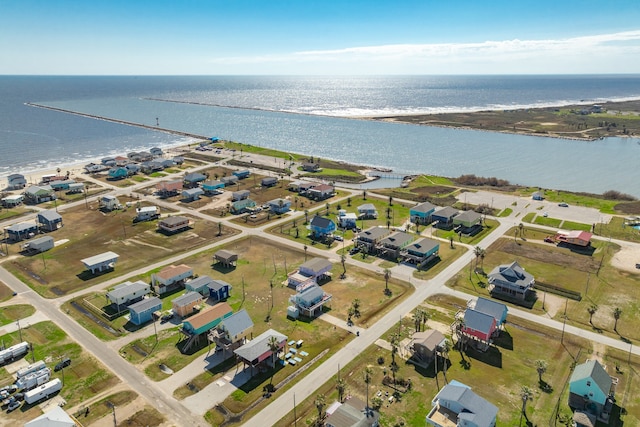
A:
(307, 115)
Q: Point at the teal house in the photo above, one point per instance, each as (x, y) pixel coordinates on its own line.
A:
(590, 389)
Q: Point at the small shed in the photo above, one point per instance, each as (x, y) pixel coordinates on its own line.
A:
(49, 220)
(227, 258)
(142, 311)
(101, 262)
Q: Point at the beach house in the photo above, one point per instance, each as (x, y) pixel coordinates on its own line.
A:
(309, 301)
(49, 220)
(187, 304)
(109, 203)
(423, 346)
(171, 278)
(468, 222)
(258, 350)
(347, 220)
(242, 206)
(166, 189)
(174, 224)
(128, 292)
(192, 180)
(391, 245)
(241, 174)
(218, 290)
(279, 206)
(457, 405)
(367, 211)
(118, 172)
(421, 251)
(199, 284)
(229, 180)
(102, 262)
(36, 194)
(591, 390)
(321, 192)
(207, 319)
(479, 327)
(146, 213)
(16, 181)
(192, 194)
(142, 311)
(309, 273)
(370, 238)
(12, 200)
(21, 230)
(443, 217)
(511, 281)
(240, 195)
(213, 187)
(226, 258)
(233, 331)
(321, 227)
(495, 309)
(575, 237)
(421, 214)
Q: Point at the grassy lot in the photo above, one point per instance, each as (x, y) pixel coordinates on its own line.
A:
(11, 313)
(591, 275)
(497, 375)
(447, 256)
(505, 212)
(616, 229)
(90, 232)
(437, 190)
(14, 212)
(85, 377)
(570, 225)
(6, 293)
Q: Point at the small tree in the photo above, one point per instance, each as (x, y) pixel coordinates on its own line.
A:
(526, 394)
(617, 312)
(341, 387)
(387, 276)
(592, 310)
(541, 367)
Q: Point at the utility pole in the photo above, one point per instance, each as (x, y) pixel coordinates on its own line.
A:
(295, 418)
(19, 329)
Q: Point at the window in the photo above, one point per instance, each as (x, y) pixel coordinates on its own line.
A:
(588, 383)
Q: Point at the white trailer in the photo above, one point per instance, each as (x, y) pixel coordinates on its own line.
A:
(34, 379)
(146, 213)
(43, 392)
(38, 245)
(31, 368)
(13, 352)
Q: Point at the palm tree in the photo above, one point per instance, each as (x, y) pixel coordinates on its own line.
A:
(343, 259)
(394, 341)
(350, 313)
(521, 229)
(424, 316)
(387, 276)
(364, 195)
(482, 255)
(526, 394)
(592, 310)
(320, 403)
(328, 205)
(390, 201)
(368, 371)
(617, 312)
(341, 387)
(416, 317)
(477, 251)
(306, 216)
(348, 201)
(541, 367)
(446, 347)
(219, 228)
(305, 252)
(356, 307)
(274, 347)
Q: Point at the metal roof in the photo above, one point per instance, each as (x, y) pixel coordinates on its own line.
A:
(145, 304)
(475, 409)
(100, 258)
(127, 288)
(188, 298)
(259, 345)
(237, 323)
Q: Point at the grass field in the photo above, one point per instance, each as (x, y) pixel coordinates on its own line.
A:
(11, 313)
(90, 232)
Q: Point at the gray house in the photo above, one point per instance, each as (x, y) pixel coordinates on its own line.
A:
(49, 220)
(510, 280)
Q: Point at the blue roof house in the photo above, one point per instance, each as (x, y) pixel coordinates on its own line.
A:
(212, 186)
(219, 290)
(279, 206)
(49, 220)
(241, 174)
(21, 230)
(457, 405)
(118, 173)
(141, 312)
(421, 214)
(321, 226)
(494, 309)
(310, 300)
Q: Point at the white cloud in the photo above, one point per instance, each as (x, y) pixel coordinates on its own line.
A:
(558, 55)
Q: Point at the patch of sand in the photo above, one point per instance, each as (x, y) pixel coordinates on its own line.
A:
(627, 257)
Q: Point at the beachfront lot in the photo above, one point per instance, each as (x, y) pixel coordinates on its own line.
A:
(88, 231)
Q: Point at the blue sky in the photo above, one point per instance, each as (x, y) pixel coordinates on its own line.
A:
(139, 37)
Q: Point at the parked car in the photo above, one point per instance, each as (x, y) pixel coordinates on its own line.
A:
(563, 205)
(165, 318)
(546, 214)
(354, 250)
(548, 240)
(19, 396)
(62, 364)
(338, 238)
(13, 406)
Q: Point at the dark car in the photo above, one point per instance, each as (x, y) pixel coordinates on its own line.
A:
(62, 364)
(19, 396)
(354, 250)
(563, 205)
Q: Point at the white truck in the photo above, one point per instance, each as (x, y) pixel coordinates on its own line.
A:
(14, 351)
(43, 392)
(31, 368)
(34, 379)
